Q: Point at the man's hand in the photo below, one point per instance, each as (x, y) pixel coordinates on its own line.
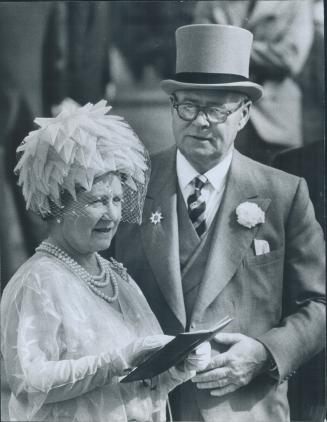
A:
(234, 368)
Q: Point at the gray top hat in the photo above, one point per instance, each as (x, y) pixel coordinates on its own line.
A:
(215, 57)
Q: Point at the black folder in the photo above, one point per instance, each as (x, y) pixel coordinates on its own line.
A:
(173, 352)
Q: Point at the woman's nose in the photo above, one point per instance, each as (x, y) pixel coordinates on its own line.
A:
(111, 213)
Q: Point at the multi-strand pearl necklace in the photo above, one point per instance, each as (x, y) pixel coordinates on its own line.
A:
(93, 281)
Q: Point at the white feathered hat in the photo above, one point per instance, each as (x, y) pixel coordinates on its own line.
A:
(71, 150)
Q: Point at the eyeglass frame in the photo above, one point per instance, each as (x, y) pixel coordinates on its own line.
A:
(204, 110)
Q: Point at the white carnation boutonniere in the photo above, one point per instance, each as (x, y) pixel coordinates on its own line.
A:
(249, 214)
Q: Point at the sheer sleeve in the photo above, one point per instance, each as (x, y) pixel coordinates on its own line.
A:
(65, 349)
(33, 343)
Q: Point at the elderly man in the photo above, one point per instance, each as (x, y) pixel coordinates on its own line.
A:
(223, 234)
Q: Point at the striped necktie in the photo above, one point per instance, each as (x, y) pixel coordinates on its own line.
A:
(197, 206)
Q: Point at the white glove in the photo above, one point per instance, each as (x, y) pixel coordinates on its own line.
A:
(137, 351)
(199, 359)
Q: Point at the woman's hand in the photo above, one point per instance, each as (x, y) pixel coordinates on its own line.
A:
(137, 351)
(199, 359)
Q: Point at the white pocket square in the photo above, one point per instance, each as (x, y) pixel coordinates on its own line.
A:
(261, 247)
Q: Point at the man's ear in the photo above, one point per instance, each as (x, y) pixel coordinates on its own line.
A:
(172, 99)
(245, 114)
(171, 102)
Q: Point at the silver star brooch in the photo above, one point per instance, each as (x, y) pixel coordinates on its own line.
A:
(156, 217)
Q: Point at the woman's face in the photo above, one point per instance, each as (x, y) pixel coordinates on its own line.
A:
(90, 223)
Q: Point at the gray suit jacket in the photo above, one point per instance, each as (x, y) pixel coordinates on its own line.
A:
(277, 297)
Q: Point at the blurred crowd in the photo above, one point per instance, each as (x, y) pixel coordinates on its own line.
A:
(86, 51)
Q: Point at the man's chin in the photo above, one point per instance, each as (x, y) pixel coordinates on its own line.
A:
(204, 160)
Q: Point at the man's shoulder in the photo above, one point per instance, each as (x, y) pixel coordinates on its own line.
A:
(306, 161)
(267, 178)
(268, 171)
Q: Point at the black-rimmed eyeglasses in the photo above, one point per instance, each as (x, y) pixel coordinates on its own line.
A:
(189, 111)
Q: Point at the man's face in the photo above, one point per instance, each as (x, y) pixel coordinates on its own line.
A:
(205, 144)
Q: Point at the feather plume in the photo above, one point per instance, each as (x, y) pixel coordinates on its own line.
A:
(72, 149)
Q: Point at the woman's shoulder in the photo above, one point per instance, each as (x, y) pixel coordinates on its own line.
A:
(36, 264)
(39, 277)
(42, 263)
(35, 272)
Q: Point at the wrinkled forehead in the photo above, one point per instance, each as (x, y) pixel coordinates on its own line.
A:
(209, 96)
(104, 185)
(104, 188)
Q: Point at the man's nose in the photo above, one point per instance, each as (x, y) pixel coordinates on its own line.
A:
(201, 119)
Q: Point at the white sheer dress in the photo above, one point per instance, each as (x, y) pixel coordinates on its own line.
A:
(62, 346)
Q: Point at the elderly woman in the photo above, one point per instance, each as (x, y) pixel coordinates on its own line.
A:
(73, 322)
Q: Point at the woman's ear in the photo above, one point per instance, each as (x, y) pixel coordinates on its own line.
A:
(245, 114)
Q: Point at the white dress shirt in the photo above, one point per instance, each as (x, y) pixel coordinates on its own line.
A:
(212, 191)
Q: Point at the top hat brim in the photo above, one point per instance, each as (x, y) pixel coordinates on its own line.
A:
(251, 89)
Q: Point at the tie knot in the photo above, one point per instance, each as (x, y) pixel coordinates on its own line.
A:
(199, 182)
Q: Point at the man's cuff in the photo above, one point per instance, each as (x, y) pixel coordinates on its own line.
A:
(272, 369)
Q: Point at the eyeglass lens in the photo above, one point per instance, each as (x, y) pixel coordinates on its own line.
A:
(189, 112)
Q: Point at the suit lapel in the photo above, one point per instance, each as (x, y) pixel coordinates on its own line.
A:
(160, 241)
(230, 240)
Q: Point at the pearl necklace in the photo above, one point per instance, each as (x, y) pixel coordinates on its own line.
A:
(93, 282)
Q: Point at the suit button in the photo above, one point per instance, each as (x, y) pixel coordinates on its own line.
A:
(192, 326)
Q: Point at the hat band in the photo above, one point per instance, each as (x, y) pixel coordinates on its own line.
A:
(209, 78)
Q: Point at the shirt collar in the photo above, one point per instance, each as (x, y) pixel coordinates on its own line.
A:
(185, 171)
(216, 176)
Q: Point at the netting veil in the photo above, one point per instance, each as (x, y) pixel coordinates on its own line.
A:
(70, 151)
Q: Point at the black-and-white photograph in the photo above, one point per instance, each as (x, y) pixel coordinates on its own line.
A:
(163, 211)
